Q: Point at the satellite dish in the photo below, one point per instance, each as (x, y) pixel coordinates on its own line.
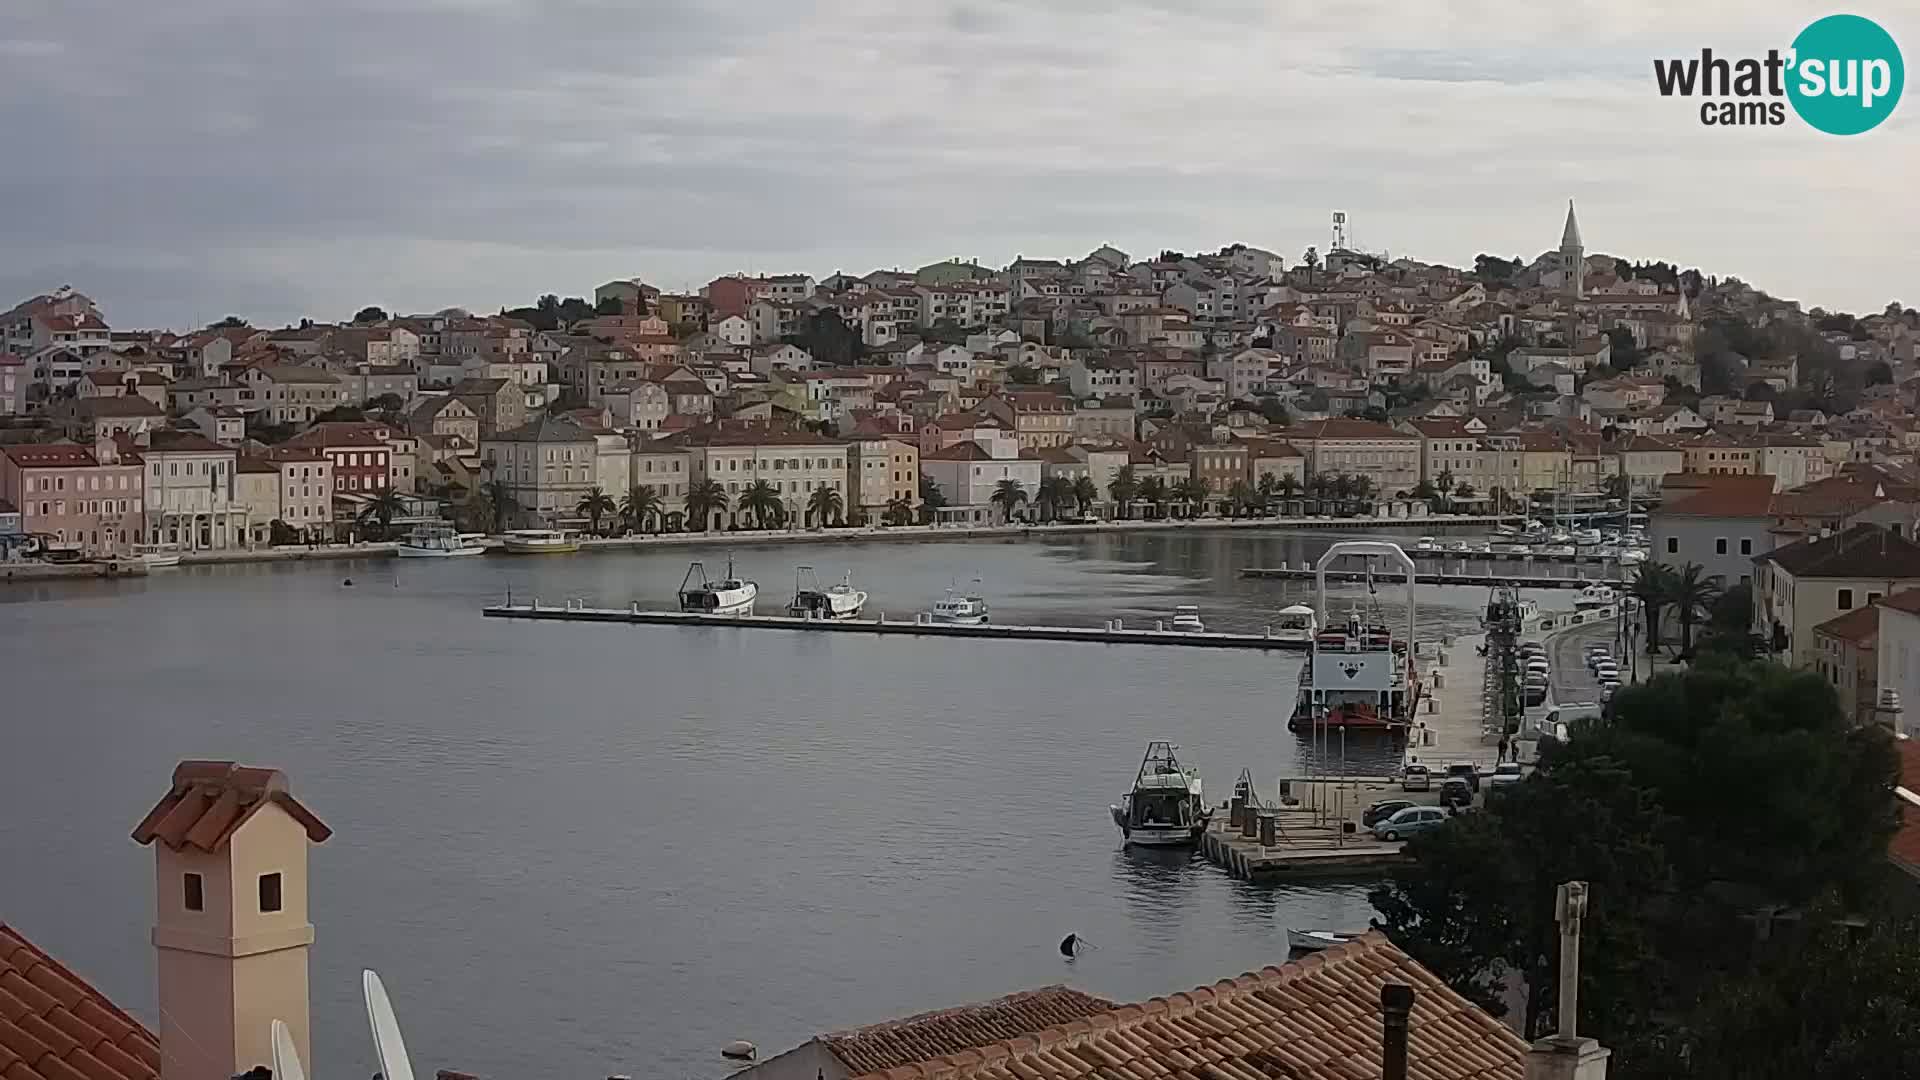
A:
(286, 1058)
(386, 1030)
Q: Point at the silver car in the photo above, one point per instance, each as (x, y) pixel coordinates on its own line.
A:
(1409, 822)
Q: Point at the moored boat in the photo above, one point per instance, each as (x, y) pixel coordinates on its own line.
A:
(436, 542)
(1308, 941)
(540, 542)
(969, 609)
(1165, 807)
(731, 595)
(810, 601)
(1186, 620)
(1296, 623)
(1594, 596)
(155, 556)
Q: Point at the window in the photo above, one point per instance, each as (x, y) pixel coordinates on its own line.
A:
(270, 892)
(195, 898)
(1720, 546)
(1846, 599)
(1673, 545)
(1873, 598)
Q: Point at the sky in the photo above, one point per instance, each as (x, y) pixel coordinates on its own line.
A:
(184, 160)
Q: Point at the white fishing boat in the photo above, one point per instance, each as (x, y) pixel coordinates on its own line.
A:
(155, 556)
(436, 542)
(1505, 531)
(1316, 940)
(1559, 549)
(1594, 596)
(1632, 557)
(731, 595)
(1560, 535)
(810, 601)
(1186, 620)
(1586, 537)
(540, 542)
(1426, 543)
(1296, 623)
(1165, 807)
(969, 609)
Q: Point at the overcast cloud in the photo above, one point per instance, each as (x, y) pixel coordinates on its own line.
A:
(186, 159)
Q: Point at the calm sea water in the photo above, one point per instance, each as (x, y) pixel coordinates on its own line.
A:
(587, 850)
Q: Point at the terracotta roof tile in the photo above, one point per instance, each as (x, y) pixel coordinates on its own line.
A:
(1862, 551)
(53, 1026)
(211, 799)
(896, 1043)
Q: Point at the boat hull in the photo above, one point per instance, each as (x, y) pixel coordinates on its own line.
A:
(960, 620)
(1163, 837)
(408, 552)
(159, 562)
(565, 548)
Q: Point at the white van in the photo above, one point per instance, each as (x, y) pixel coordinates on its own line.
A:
(1570, 713)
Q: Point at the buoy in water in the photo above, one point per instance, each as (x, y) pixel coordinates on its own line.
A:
(738, 1050)
(348, 583)
(1070, 945)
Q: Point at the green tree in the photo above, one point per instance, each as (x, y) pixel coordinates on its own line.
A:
(825, 506)
(370, 314)
(1289, 486)
(643, 506)
(594, 506)
(612, 306)
(231, 322)
(1022, 375)
(381, 510)
(1194, 492)
(1443, 487)
(1653, 587)
(1691, 593)
(899, 511)
(1242, 497)
(1085, 493)
(1616, 487)
(1053, 494)
(1463, 490)
(931, 500)
(1311, 260)
(1123, 489)
(706, 498)
(762, 500)
(1153, 491)
(1008, 495)
(498, 495)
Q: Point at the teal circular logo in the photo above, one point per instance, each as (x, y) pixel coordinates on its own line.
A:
(1846, 75)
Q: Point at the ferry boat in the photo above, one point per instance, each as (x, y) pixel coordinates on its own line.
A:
(155, 556)
(436, 542)
(1594, 596)
(1165, 807)
(729, 596)
(540, 542)
(1296, 623)
(967, 610)
(1186, 620)
(810, 601)
(1358, 677)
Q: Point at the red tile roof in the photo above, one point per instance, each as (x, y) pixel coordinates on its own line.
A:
(1718, 496)
(1312, 1019)
(1859, 626)
(935, 1034)
(1347, 428)
(1904, 848)
(209, 800)
(49, 456)
(1861, 551)
(54, 1026)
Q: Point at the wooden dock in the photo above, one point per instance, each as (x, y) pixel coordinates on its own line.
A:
(1111, 634)
(1484, 579)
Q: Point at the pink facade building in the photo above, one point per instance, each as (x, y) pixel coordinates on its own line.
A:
(75, 496)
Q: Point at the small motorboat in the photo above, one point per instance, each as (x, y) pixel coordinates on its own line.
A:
(1632, 557)
(1186, 620)
(1504, 531)
(1587, 537)
(1560, 535)
(1458, 545)
(1308, 941)
(156, 557)
(960, 610)
(810, 601)
(1426, 543)
(1165, 807)
(540, 542)
(1296, 623)
(1596, 596)
(728, 596)
(1559, 549)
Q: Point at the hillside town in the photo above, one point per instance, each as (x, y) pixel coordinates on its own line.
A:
(1236, 382)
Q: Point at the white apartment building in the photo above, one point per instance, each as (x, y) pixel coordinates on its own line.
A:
(735, 453)
(191, 493)
(967, 473)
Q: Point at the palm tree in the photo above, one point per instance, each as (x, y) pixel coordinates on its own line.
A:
(899, 511)
(1289, 487)
(1008, 494)
(1692, 592)
(1340, 488)
(1616, 486)
(1241, 496)
(931, 499)
(595, 505)
(705, 498)
(1264, 493)
(1365, 490)
(825, 505)
(1463, 490)
(381, 511)
(1652, 586)
(1193, 491)
(1123, 489)
(762, 500)
(1443, 486)
(641, 505)
(1085, 493)
(1054, 493)
(1153, 492)
(499, 496)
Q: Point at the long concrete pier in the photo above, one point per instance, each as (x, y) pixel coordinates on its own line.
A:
(1484, 579)
(1113, 633)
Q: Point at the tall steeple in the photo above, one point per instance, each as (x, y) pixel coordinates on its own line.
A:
(1573, 258)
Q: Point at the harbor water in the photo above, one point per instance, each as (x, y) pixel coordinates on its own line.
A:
(585, 850)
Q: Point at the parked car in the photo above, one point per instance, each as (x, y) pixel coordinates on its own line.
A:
(1415, 778)
(1607, 690)
(1464, 770)
(1533, 696)
(1605, 670)
(1383, 810)
(1504, 774)
(1410, 822)
(1455, 793)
